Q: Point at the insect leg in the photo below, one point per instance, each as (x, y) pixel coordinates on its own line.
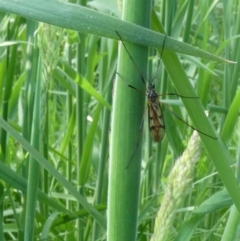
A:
(176, 94)
(138, 140)
(215, 138)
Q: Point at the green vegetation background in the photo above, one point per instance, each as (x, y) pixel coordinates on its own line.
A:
(58, 121)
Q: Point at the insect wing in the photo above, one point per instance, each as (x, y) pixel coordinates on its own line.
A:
(156, 121)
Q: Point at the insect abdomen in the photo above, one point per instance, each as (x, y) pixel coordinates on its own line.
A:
(156, 121)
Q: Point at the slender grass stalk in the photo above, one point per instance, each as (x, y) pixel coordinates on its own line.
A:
(81, 116)
(1, 208)
(236, 55)
(230, 232)
(50, 38)
(188, 21)
(11, 64)
(32, 58)
(48, 44)
(7, 84)
(105, 77)
(33, 168)
(70, 110)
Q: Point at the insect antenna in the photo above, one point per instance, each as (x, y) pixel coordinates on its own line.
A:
(159, 61)
(138, 70)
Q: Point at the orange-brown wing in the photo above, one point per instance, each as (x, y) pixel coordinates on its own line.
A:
(156, 121)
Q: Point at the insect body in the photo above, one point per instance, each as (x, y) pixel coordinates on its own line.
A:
(155, 115)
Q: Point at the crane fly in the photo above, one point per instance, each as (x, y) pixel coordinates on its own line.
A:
(155, 113)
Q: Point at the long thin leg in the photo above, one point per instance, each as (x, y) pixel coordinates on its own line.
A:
(176, 94)
(203, 133)
(138, 140)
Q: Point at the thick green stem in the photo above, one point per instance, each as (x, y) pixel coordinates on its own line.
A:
(128, 108)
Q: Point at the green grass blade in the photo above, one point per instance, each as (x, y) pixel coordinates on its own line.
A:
(215, 148)
(85, 20)
(37, 156)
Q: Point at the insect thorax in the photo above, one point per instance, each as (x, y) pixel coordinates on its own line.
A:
(152, 95)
